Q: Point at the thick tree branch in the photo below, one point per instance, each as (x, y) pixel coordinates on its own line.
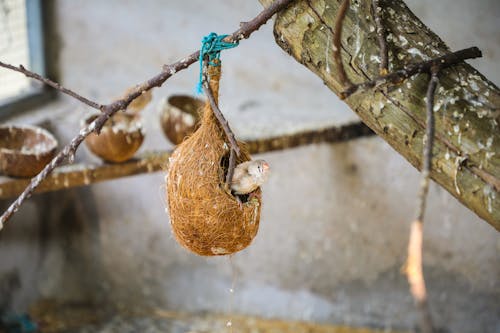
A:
(466, 154)
(337, 47)
(69, 150)
(382, 43)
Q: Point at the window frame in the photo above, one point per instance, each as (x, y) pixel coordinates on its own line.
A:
(37, 17)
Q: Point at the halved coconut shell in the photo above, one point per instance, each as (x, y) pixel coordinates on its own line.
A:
(119, 140)
(25, 150)
(179, 117)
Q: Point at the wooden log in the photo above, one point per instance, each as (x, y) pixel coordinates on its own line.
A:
(467, 142)
(85, 174)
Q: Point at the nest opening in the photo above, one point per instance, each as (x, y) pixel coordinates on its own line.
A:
(224, 165)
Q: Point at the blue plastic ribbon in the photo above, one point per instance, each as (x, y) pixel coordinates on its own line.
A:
(211, 46)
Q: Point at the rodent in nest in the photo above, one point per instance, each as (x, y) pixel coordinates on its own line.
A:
(205, 217)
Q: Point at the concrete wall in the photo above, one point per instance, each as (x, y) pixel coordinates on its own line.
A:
(335, 219)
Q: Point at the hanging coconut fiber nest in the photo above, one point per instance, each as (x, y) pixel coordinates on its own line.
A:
(205, 217)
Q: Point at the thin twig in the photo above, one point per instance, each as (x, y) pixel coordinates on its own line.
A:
(421, 67)
(233, 144)
(234, 148)
(415, 276)
(429, 143)
(230, 169)
(337, 37)
(108, 110)
(51, 83)
(414, 267)
(382, 43)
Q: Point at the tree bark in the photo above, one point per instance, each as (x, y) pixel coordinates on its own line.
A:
(467, 106)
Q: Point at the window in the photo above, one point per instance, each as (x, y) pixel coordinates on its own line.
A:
(21, 42)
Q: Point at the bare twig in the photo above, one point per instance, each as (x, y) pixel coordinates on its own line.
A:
(108, 110)
(234, 148)
(233, 144)
(414, 269)
(384, 59)
(337, 37)
(230, 169)
(415, 276)
(429, 143)
(51, 83)
(398, 76)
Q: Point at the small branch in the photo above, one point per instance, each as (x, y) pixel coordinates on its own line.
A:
(51, 83)
(429, 144)
(384, 58)
(337, 36)
(230, 169)
(220, 117)
(233, 144)
(415, 276)
(414, 267)
(108, 110)
(152, 161)
(412, 69)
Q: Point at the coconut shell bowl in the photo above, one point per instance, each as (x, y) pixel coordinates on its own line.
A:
(25, 150)
(119, 140)
(179, 116)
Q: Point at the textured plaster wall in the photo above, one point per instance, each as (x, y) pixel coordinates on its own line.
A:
(335, 219)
